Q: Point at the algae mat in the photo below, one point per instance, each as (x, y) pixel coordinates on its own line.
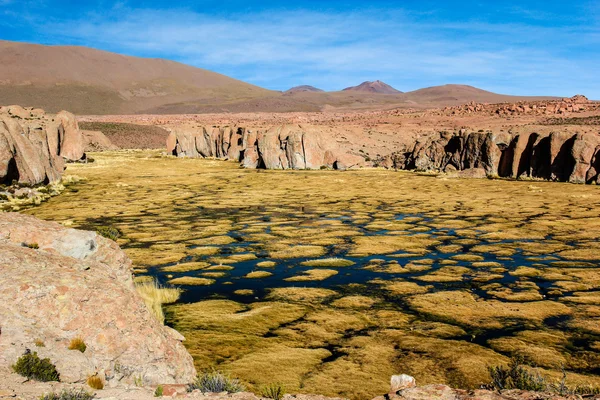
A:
(330, 282)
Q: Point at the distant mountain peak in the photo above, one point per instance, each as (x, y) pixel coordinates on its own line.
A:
(303, 88)
(373, 87)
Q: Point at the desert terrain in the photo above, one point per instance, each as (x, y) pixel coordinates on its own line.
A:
(180, 233)
(88, 81)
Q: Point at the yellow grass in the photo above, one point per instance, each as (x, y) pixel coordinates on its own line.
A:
(155, 295)
(328, 262)
(313, 275)
(258, 274)
(191, 281)
(291, 332)
(266, 264)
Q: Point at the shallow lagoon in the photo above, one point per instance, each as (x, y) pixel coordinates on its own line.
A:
(444, 278)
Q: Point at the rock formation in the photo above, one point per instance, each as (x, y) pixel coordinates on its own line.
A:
(35, 145)
(97, 141)
(575, 104)
(557, 156)
(58, 284)
(280, 147)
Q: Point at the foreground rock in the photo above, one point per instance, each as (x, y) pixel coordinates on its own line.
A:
(555, 156)
(34, 145)
(13, 386)
(443, 392)
(59, 284)
(280, 147)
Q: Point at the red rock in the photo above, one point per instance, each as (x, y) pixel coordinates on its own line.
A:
(79, 284)
(30, 143)
(279, 147)
(72, 146)
(583, 150)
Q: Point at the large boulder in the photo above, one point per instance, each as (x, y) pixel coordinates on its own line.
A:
(35, 145)
(582, 152)
(72, 145)
(58, 284)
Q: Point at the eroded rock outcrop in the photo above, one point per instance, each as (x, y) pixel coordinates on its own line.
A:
(555, 156)
(575, 104)
(97, 141)
(279, 147)
(34, 145)
(57, 284)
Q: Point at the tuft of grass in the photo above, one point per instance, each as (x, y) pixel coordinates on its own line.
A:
(216, 382)
(258, 274)
(516, 376)
(95, 382)
(77, 344)
(34, 246)
(313, 275)
(39, 343)
(109, 232)
(192, 281)
(155, 295)
(274, 391)
(298, 251)
(328, 262)
(159, 391)
(68, 394)
(266, 264)
(31, 366)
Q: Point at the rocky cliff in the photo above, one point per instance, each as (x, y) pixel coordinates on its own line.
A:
(280, 147)
(59, 284)
(555, 156)
(34, 145)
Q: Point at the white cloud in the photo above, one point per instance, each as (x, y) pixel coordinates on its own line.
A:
(273, 49)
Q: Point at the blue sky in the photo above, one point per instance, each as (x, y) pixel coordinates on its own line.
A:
(525, 47)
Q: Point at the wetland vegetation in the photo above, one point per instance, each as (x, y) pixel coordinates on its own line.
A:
(330, 282)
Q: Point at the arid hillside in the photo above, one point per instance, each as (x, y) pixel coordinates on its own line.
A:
(88, 81)
(85, 80)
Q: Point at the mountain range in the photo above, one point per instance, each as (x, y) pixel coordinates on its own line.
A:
(89, 81)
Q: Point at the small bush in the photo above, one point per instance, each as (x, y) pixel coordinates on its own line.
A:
(34, 246)
(216, 382)
(159, 391)
(31, 366)
(77, 344)
(39, 343)
(71, 394)
(109, 232)
(274, 391)
(516, 376)
(95, 382)
(586, 390)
